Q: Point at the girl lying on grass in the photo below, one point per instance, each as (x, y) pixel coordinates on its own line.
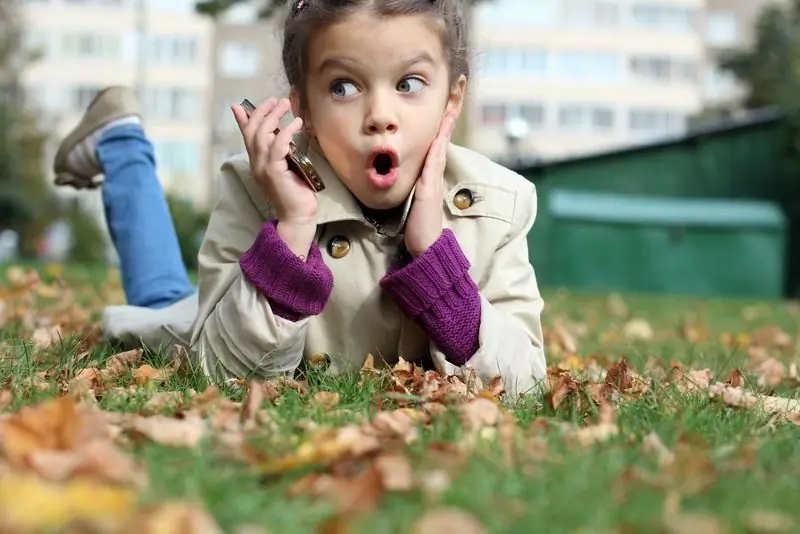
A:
(415, 248)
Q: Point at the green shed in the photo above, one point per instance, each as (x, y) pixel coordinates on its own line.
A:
(746, 158)
(705, 247)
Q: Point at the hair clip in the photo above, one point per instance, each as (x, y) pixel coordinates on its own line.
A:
(300, 5)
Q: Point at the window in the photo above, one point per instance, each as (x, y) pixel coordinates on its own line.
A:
(519, 13)
(514, 62)
(238, 60)
(91, 46)
(581, 117)
(493, 113)
(663, 69)
(172, 6)
(663, 17)
(174, 50)
(589, 13)
(82, 95)
(656, 121)
(177, 156)
(588, 67)
(722, 29)
(497, 113)
(173, 104)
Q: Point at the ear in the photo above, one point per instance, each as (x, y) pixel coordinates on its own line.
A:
(456, 99)
(297, 109)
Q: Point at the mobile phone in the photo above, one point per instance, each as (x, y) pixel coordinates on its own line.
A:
(298, 162)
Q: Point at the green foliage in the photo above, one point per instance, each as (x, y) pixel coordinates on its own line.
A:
(88, 240)
(190, 224)
(770, 68)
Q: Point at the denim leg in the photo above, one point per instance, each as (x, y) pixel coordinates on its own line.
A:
(141, 228)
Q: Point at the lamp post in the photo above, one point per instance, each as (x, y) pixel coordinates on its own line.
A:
(516, 132)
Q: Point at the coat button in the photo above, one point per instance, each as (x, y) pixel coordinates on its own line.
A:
(463, 199)
(338, 246)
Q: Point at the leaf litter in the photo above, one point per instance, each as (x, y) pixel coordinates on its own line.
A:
(67, 462)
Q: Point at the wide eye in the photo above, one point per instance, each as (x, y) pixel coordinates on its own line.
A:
(410, 84)
(343, 89)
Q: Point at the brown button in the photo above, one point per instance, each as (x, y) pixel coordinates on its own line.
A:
(463, 199)
(338, 246)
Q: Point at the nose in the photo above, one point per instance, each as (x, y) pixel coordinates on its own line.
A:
(380, 115)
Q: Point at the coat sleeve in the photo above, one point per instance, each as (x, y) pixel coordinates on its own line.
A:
(510, 339)
(253, 313)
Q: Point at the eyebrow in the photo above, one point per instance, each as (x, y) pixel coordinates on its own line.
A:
(349, 63)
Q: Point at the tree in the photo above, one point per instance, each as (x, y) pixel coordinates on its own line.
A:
(269, 8)
(770, 68)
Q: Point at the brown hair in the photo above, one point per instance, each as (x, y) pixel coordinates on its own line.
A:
(306, 17)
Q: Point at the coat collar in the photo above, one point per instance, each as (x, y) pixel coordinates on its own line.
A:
(336, 202)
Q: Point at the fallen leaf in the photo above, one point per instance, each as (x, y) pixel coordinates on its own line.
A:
(769, 522)
(170, 431)
(326, 400)
(396, 472)
(31, 504)
(447, 519)
(175, 518)
(740, 398)
(735, 378)
(638, 329)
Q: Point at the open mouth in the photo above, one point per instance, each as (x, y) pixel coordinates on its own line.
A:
(383, 161)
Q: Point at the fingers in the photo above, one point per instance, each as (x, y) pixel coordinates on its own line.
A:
(280, 146)
(265, 133)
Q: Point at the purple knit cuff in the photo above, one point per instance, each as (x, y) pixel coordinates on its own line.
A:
(295, 289)
(436, 290)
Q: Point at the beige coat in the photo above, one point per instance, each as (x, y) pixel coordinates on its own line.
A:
(489, 208)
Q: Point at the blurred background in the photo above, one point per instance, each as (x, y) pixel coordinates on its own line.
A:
(661, 134)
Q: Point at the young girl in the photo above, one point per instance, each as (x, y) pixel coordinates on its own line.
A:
(416, 248)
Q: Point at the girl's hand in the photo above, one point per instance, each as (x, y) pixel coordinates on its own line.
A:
(294, 202)
(424, 224)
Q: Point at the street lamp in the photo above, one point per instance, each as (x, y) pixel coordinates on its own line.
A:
(516, 131)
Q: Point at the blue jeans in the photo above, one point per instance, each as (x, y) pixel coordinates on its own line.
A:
(141, 227)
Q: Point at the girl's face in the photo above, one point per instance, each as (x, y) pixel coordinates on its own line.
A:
(377, 89)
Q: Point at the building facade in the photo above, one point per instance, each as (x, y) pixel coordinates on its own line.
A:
(591, 75)
(160, 47)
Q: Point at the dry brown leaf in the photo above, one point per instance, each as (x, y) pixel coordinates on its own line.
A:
(396, 472)
(771, 373)
(735, 378)
(175, 518)
(638, 329)
(692, 523)
(447, 519)
(769, 522)
(120, 363)
(326, 400)
(31, 504)
(46, 336)
(772, 337)
(740, 398)
(169, 431)
(54, 425)
(98, 460)
(146, 374)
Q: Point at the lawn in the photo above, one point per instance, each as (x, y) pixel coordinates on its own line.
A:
(660, 415)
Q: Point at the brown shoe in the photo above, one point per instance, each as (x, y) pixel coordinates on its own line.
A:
(111, 103)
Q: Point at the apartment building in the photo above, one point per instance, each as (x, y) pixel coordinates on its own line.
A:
(576, 75)
(246, 63)
(160, 47)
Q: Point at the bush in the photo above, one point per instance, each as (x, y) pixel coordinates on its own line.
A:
(190, 225)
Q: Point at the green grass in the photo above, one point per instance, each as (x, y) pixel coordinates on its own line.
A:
(556, 486)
